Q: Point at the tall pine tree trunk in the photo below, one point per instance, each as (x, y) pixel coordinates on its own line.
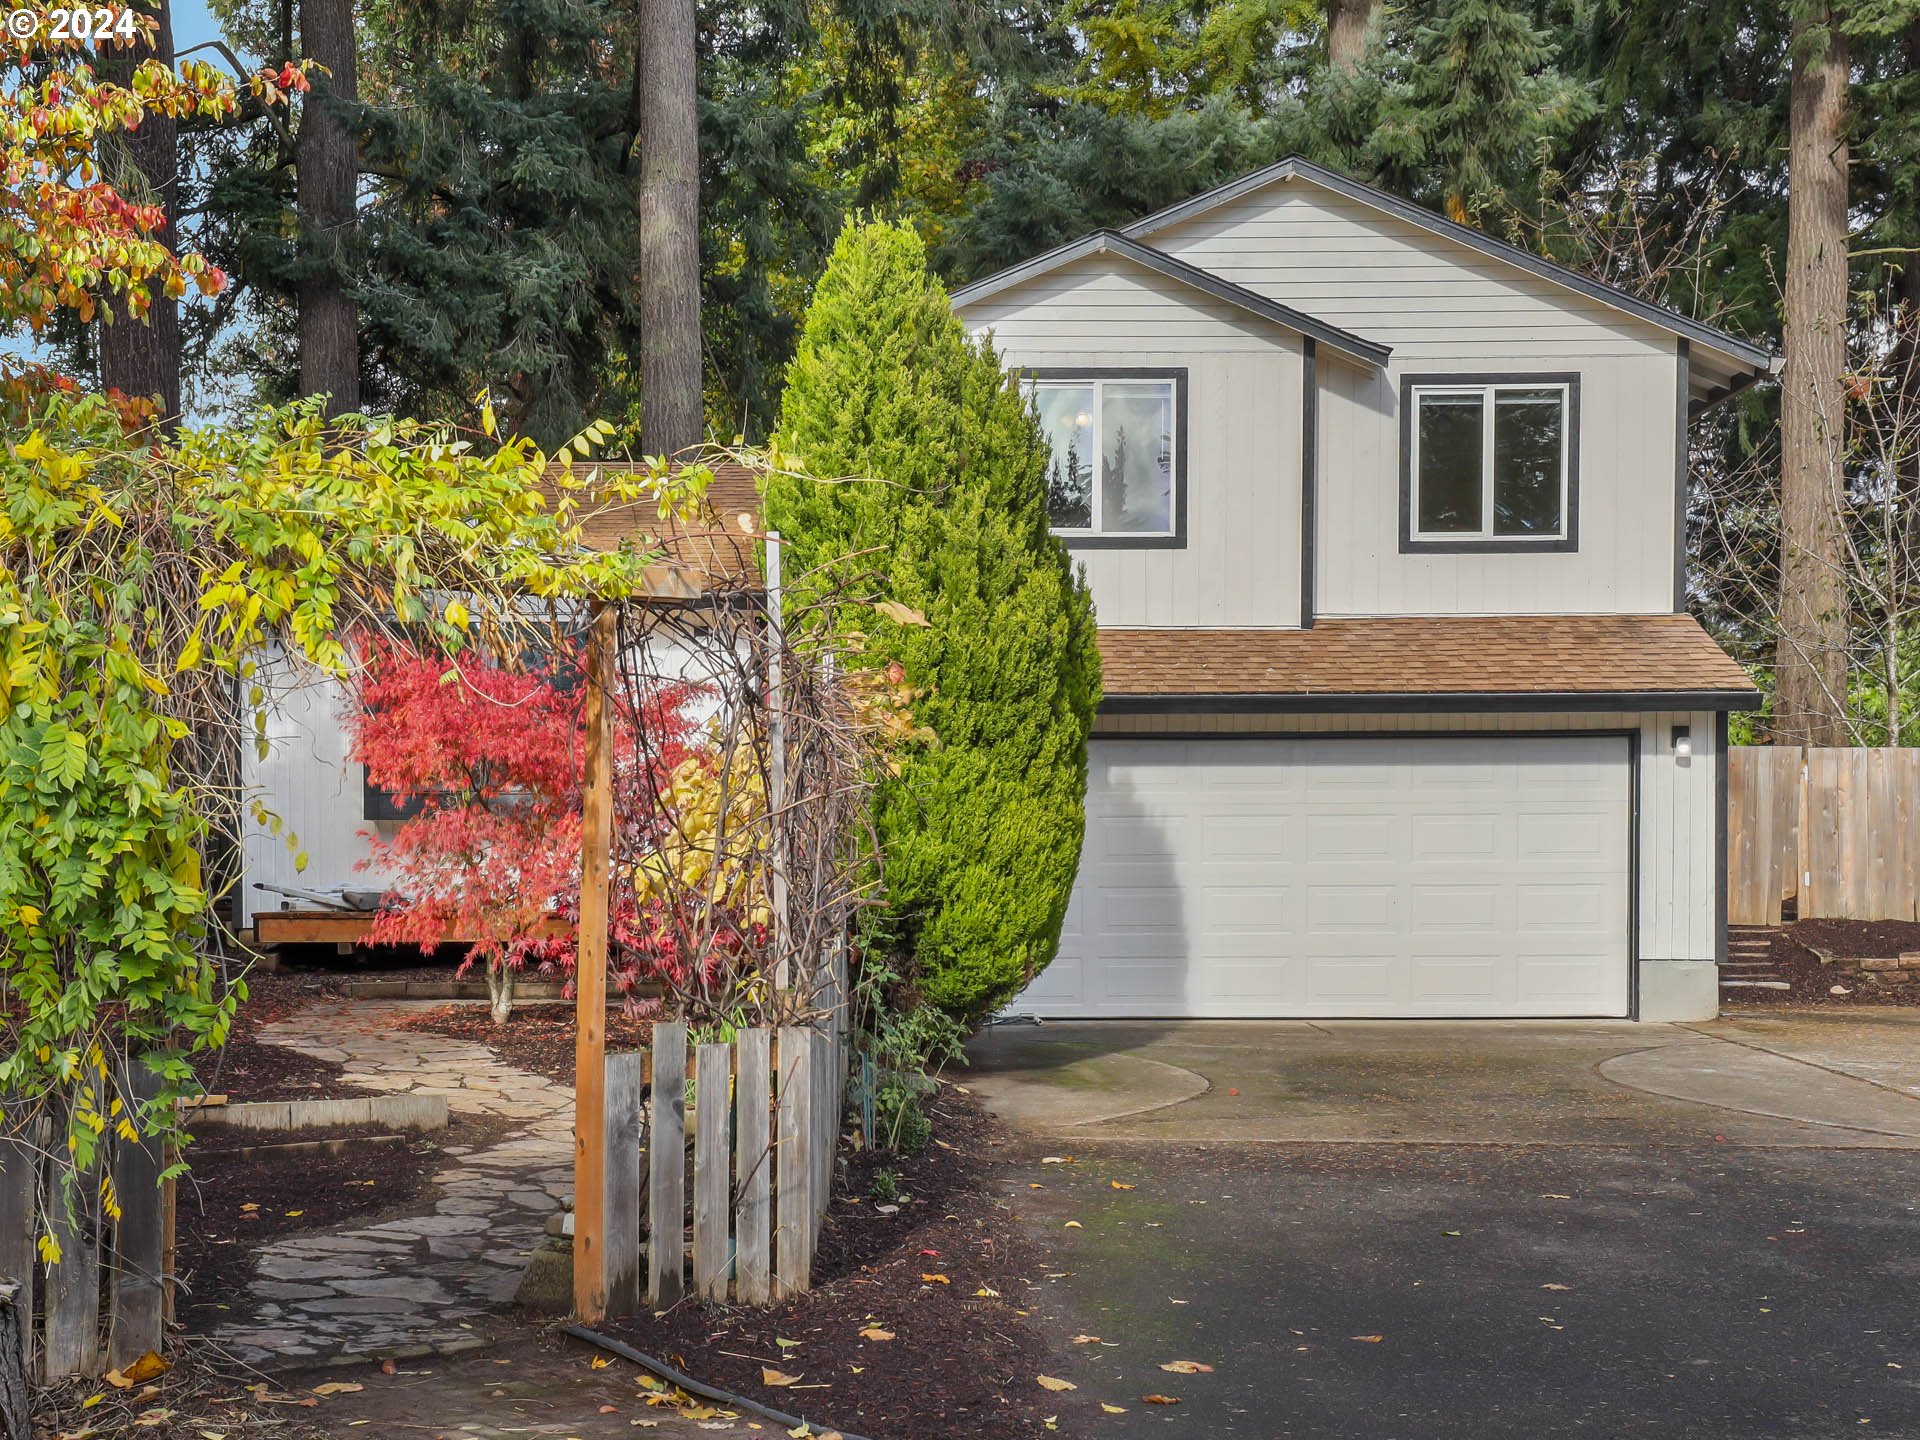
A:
(671, 411)
(1810, 684)
(328, 170)
(1348, 24)
(143, 359)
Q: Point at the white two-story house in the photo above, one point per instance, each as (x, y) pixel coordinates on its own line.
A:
(1385, 525)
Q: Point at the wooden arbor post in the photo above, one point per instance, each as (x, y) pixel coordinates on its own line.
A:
(590, 981)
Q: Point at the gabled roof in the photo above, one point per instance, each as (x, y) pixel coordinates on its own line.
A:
(1744, 352)
(1112, 242)
(1427, 662)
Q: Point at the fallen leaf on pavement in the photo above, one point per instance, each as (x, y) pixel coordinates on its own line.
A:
(1160, 1399)
(338, 1387)
(1552, 1285)
(1367, 1339)
(609, 1409)
(1074, 1225)
(1118, 1186)
(771, 1376)
(1187, 1367)
(1053, 1382)
(1113, 1409)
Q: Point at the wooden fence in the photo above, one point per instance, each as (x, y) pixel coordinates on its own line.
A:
(106, 1303)
(767, 1110)
(1834, 829)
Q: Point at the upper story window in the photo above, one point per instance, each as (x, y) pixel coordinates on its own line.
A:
(1489, 462)
(1118, 458)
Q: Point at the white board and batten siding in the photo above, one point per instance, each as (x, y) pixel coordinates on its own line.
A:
(318, 794)
(1542, 931)
(1446, 309)
(1240, 565)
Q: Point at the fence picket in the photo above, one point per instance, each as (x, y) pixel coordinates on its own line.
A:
(71, 1340)
(712, 1253)
(19, 1188)
(752, 1215)
(625, 1101)
(667, 1167)
(139, 1249)
(793, 1172)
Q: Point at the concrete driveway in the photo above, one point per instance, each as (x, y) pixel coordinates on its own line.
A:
(1409, 1231)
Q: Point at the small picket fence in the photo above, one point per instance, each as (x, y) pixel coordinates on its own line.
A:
(766, 1126)
(106, 1303)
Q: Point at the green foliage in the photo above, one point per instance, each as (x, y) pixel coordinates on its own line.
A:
(884, 1188)
(981, 830)
(142, 581)
(904, 1045)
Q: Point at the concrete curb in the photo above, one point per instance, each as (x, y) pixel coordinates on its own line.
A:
(402, 1112)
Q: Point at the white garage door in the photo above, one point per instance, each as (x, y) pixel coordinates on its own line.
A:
(1361, 878)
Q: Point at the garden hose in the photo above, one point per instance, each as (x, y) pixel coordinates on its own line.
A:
(695, 1387)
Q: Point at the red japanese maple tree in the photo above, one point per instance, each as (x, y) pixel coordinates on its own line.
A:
(493, 759)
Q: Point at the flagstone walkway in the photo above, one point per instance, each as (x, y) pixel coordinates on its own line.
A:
(437, 1282)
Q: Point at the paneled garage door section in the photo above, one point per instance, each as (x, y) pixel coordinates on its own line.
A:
(1349, 878)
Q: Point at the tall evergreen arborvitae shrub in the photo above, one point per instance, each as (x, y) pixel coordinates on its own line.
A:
(982, 828)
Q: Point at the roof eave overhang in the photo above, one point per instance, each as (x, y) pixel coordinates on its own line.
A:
(1113, 242)
(1478, 702)
(1761, 361)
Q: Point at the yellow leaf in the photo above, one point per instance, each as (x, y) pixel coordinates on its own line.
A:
(292, 1213)
(338, 1387)
(456, 615)
(29, 916)
(874, 1332)
(1053, 1382)
(1161, 1399)
(600, 1362)
(771, 1376)
(1187, 1367)
(189, 653)
(1073, 1225)
(1368, 1339)
(1084, 1340)
(900, 614)
(936, 1280)
(1113, 1409)
(983, 1293)
(1118, 1186)
(92, 1400)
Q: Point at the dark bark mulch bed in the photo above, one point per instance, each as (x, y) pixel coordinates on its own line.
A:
(538, 1038)
(1794, 954)
(230, 1203)
(245, 1069)
(965, 1357)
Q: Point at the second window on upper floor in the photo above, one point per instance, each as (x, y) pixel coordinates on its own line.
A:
(1489, 462)
(1117, 449)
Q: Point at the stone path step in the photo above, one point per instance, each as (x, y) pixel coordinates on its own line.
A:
(426, 1283)
(1749, 964)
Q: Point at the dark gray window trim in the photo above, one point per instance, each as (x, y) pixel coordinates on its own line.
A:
(1479, 702)
(1309, 475)
(1760, 358)
(1683, 389)
(1112, 242)
(1410, 544)
(1175, 373)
